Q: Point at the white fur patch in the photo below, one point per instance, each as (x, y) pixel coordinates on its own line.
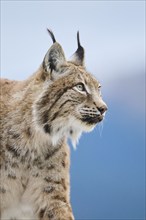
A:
(72, 129)
(19, 211)
(61, 128)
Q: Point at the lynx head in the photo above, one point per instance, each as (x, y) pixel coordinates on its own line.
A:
(71, 101)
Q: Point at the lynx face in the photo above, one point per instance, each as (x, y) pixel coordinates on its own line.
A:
(71, 101)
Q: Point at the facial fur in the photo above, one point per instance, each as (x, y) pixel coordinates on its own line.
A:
(69, 104)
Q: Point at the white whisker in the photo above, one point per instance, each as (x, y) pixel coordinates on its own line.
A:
(100, 128)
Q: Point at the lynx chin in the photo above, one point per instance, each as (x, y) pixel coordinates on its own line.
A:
(59, 101)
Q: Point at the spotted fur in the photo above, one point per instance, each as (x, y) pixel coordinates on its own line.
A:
(38, 115)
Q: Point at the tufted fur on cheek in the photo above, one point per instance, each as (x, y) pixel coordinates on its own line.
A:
(54, 113)
(68, 129)
(56, 110)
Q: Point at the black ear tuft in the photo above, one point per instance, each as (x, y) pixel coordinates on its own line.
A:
(78, 39)
(78, 56)
(51, 35)
(80, 50)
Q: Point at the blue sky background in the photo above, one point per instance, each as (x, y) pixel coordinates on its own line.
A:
(108, 167)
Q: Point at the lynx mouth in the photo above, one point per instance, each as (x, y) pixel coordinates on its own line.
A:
(92, 120)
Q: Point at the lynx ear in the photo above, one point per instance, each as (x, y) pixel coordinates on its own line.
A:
(78, 56)
(54, 57)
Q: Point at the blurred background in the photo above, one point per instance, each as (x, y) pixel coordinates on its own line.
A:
(108, 167)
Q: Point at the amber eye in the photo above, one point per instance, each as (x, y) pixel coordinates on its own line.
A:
(81, 87)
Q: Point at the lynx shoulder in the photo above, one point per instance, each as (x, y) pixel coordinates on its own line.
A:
(59, 101)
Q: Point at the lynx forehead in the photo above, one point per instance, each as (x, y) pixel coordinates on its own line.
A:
(59, 101)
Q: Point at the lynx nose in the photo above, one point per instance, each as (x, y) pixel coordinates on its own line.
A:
(102, 109)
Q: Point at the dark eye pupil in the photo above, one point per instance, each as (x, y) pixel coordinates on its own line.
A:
(80, 87)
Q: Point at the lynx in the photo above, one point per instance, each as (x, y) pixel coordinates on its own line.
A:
(38, 115)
